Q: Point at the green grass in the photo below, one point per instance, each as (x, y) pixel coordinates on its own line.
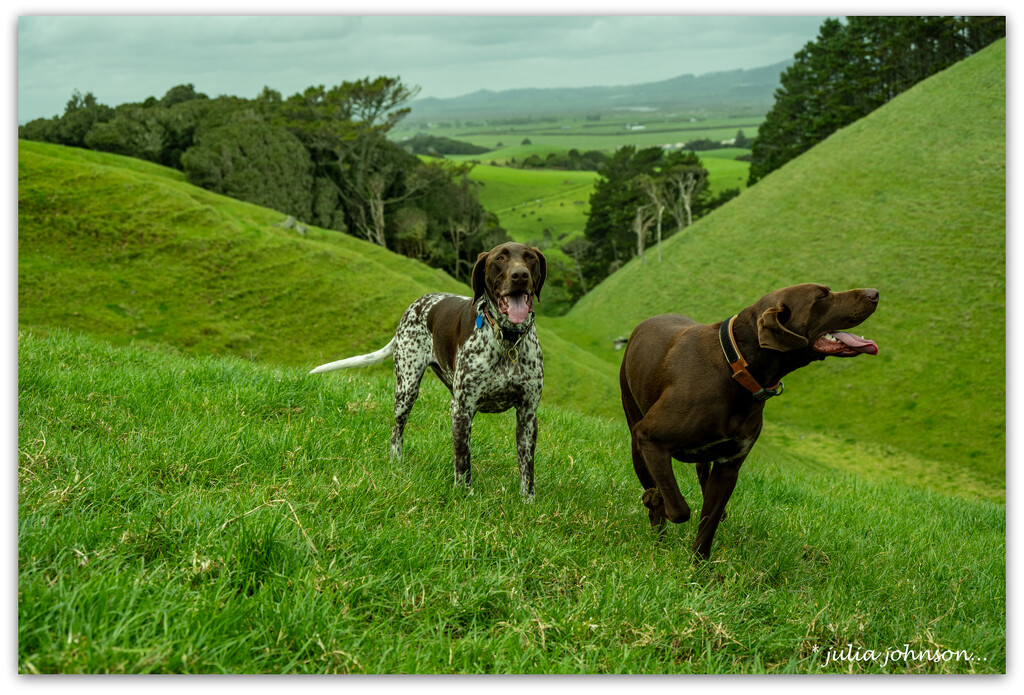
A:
(211, 515)
(911, 200)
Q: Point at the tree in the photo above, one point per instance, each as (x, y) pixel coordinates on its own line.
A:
(256, 162)
(684, 183)
(613, 205)
(654, 188)
(180, 94)
(577, 249)
(129, 133)
(852, 68)
(80, 114)
(345, 128)
(642, 221)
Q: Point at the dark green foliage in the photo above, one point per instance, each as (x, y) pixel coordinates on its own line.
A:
(321, 156)
(255, 162)
(573, 160)
(80, 114)
(40, 130)
(134, 132)
(853, 68)
(181, 94)
(617, 195)
(437, 146)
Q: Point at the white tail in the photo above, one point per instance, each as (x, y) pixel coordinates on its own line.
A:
(358, 361)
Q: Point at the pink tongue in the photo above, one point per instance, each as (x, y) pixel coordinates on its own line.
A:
(517, 308)
(857, 343)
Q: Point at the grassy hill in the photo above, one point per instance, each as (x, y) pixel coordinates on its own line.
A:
(129, 251)
(910, 200)
(213, 515)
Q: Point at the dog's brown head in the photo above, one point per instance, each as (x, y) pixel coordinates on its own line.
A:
(810, 315)
(511, 275)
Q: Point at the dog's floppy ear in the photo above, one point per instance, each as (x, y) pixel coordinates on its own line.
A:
(542, 272)
(772, 334)
(478, 275)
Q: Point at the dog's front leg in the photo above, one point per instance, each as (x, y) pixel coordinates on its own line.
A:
(526, 445)
(718, 488)
(462, 427)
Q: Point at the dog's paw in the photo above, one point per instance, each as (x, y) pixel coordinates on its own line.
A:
(651, 498)
(655, 508)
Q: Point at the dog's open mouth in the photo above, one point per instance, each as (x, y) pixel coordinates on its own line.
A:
(517, 306)
(842, 344)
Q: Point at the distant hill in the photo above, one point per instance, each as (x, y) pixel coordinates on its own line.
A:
(738, 92)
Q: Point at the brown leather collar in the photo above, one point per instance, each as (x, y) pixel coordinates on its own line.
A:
(739, 365)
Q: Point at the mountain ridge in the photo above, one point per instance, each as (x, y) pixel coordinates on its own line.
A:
(751, 89)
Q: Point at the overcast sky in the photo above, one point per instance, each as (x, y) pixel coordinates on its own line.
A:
(126, 59)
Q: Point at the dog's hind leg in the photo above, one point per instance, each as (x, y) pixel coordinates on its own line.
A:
(703, 470)
(651, 497)
(410, 364)
(720, 482)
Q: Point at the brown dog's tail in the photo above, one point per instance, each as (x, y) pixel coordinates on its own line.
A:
(358, 361)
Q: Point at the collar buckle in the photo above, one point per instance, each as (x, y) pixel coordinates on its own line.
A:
(739, 365)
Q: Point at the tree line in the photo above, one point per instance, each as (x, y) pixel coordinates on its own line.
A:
(641, 197)
(852, 68)
(573, 160)
(321, 156)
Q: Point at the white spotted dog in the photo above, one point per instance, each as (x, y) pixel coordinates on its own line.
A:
(484, 349)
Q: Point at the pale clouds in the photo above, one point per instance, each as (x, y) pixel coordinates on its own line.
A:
(129, 58)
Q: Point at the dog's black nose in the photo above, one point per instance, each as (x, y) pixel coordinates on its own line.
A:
(871, 294)
(520, 274)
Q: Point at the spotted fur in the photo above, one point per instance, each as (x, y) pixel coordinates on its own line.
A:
(496, 367)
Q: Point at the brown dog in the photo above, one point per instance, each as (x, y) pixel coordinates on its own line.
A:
(484, 349)
(695, 392)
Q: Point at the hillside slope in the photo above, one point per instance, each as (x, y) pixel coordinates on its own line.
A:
(911, 200)
(126, 250)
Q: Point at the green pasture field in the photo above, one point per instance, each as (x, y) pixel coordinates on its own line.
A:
(530, 201)
(185, 514)
(607, 135)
